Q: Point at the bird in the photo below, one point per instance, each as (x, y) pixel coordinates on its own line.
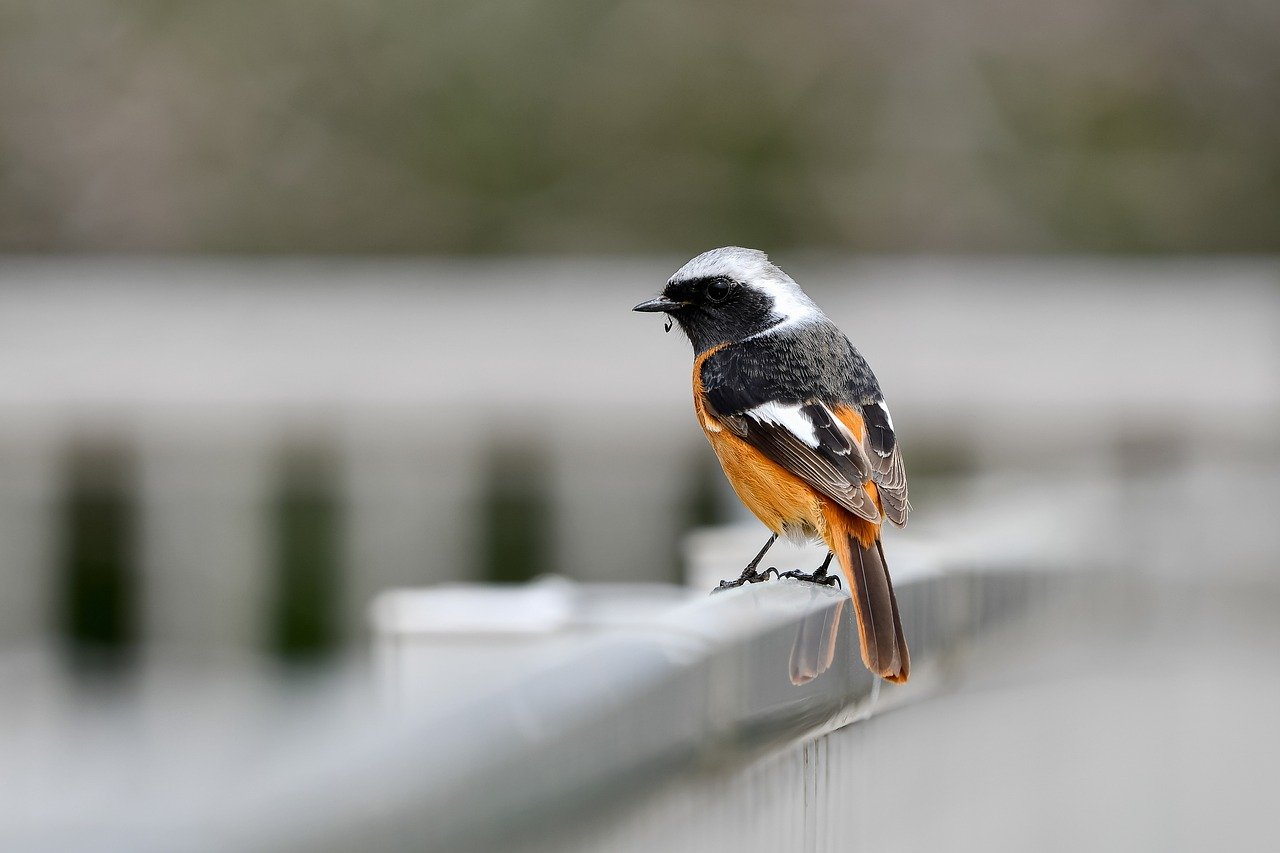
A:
(800, 426)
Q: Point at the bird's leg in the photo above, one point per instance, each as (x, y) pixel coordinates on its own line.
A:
(819, 576)
(749, 574)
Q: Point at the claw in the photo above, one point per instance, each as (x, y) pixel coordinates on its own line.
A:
(749, 575)
(818, 577)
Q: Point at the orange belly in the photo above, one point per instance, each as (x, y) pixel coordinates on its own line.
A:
(781, 500)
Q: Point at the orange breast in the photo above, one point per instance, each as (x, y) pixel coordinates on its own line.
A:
(774, 495)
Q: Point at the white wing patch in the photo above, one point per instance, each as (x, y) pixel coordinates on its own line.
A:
(787, 416)
(888, 418)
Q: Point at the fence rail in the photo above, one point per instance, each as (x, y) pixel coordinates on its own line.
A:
(489, 731)
(220, 408)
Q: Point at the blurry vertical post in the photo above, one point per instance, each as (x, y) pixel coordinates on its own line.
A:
(307, 530)
(97, 599)
(515, 517)
(702, 505)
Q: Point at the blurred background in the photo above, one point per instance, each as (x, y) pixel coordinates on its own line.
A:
(598, 128)
(304, 301)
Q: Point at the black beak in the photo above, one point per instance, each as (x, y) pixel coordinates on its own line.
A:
(658, 303)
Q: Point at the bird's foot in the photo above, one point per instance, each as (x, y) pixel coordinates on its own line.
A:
(819, 577)
(749, 575)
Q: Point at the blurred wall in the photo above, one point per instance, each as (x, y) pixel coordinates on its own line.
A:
(238, 455)
(459, 127)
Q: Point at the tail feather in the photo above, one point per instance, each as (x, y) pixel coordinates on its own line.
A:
(883, 645)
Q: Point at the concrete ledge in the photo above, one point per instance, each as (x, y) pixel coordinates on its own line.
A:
(715, 680)
(468, 738)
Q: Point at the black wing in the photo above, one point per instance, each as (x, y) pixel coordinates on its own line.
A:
(807, 440)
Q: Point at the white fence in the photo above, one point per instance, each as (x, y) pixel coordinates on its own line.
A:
(410, 377)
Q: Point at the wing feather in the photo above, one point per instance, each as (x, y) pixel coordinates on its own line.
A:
(810, 442)
(885, 457)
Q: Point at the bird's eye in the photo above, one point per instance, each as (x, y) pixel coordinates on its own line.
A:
(718, 289)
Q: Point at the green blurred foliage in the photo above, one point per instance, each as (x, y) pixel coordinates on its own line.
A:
(564, 125)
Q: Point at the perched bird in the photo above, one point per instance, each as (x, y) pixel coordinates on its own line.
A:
(798, 422)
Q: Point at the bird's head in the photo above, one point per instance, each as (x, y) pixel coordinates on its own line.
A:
(729, 294)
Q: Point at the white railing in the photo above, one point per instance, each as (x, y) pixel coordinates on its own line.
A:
(412, 377)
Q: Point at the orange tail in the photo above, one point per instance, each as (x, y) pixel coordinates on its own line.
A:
(884, 648)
